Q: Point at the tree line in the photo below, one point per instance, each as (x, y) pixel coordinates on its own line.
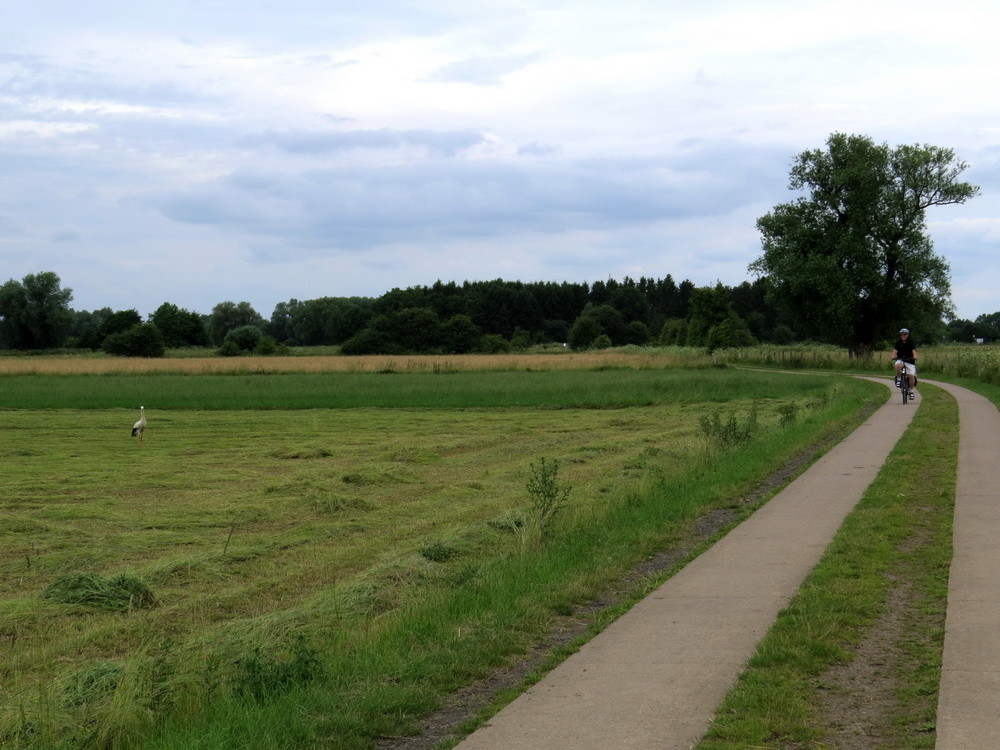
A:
(848, 263)
(474, 316)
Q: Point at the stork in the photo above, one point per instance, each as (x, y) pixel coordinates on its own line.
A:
(140, 427)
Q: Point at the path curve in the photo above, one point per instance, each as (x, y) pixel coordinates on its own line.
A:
(652, 679)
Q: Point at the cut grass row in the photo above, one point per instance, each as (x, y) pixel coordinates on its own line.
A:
(295, 554)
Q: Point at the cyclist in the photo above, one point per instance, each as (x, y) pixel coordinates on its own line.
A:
(905, 351)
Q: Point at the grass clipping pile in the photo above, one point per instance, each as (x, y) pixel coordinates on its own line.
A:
(119, 593)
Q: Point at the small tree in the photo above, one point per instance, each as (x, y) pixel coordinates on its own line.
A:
(180, 327)
(459, 334)
(584, 331)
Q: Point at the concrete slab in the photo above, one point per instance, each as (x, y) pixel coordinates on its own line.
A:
(653, 679)
(969, 697)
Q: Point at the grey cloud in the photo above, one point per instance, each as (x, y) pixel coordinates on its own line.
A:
(363, 207)
(537, 149)
(482, 71)
(445, 143)
(66, 235)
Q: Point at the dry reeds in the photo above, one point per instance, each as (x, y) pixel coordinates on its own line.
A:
(633, 358)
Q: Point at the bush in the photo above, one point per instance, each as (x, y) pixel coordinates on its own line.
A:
(230, 349)
(601, 342)
(493, 343)
(368, 341)
(266, 347)
(245, 337)
(142, 340)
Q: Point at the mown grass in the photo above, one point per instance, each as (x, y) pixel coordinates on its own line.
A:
(899, 534)
(288, 549)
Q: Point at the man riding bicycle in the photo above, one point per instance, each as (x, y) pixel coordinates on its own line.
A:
(904, 356)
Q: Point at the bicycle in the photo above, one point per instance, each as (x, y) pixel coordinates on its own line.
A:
(904, 381)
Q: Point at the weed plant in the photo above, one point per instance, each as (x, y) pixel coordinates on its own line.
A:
(733, 431)
(547, 496)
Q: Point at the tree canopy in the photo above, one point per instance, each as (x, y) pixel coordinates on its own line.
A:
(34, 312)
(853, 260)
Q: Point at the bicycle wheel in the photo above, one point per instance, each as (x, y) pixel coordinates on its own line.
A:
(904, 389)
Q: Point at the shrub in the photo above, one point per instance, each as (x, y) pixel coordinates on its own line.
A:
(493, 343)
(266, 347)
(142, 340)
(601, 342)
(367, 341)
(245, 337)
(230, 349)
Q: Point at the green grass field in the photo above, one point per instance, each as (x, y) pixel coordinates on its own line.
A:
(330, 554)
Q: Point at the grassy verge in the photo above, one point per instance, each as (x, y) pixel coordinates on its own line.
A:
(889, 561)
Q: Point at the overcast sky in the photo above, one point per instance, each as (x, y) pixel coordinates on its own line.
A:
(201, 151)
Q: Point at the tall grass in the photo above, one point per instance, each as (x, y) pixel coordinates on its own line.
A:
(953, 361)
(606, 388)
(202, 363)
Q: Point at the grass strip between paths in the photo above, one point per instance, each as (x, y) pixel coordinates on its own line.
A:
(874, 606)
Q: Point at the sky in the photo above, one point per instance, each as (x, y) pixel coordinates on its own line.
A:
(202, 151)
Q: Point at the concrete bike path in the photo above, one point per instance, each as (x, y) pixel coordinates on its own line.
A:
(968, 716)
(652, 680)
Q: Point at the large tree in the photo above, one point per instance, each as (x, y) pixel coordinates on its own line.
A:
(852, 260)
(228, 315)
(34, 313)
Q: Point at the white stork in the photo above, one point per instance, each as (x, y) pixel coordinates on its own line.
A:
(140, 427)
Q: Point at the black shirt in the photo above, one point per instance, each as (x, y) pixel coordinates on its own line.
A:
(905, 349)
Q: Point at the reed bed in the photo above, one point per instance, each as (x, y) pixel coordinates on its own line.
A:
(980, 363)
(627, 357)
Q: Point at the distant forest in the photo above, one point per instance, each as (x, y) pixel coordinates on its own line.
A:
(474, 316)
